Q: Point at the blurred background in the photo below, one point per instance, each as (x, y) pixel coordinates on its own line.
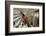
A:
(25, 17)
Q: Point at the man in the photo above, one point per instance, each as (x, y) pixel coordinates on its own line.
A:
(24, 18)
